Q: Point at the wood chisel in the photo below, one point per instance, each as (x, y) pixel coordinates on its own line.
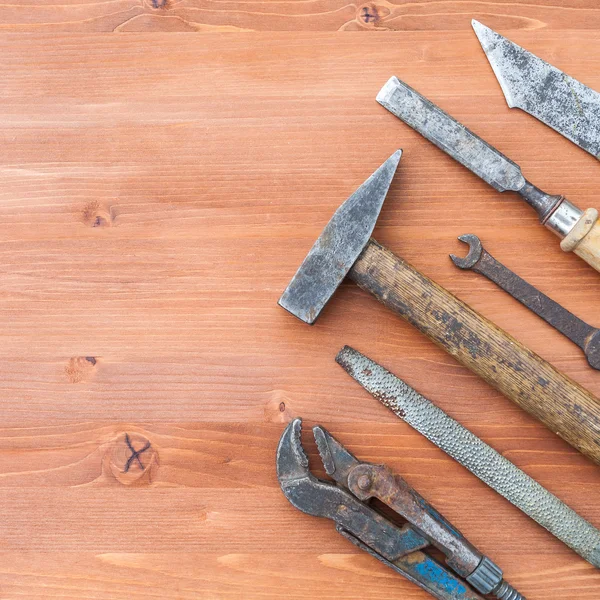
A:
(579, 230)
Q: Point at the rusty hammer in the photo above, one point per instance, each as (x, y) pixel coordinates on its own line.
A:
(345, 249)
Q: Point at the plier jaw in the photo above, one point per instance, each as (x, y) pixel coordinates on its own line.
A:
(346, 502)
(306, 492)
(320, 498)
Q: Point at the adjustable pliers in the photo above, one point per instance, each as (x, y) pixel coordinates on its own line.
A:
(467, 572)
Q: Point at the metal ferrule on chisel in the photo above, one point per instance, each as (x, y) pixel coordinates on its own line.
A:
(555, 212)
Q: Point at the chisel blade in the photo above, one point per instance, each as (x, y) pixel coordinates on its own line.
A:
(538, 88)
(450, 136)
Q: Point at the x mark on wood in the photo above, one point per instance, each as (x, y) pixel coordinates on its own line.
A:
(135, 454)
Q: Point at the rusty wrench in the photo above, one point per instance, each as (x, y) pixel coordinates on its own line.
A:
(578, 331)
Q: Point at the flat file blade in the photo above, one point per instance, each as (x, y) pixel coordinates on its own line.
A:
(538, 88)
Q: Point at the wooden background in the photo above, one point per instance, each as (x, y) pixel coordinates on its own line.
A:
(158, 190)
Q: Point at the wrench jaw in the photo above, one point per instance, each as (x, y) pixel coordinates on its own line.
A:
(475, 252)
(592, 350)
(292, 462)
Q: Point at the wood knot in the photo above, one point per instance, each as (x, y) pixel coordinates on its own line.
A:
(133, 459)
(277, 409)
(80, 368)
(96, 215)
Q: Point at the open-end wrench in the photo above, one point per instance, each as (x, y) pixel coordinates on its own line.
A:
(578, 331)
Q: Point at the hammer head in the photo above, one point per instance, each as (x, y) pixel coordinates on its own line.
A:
(338, 246)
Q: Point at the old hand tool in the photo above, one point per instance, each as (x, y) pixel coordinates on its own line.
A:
(481, 261)
(531, 84)
(401, 548)
(580, 230)
(474, 454)
(345, 249)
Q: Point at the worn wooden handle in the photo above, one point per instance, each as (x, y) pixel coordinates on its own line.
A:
(527, 379)
(584, 238)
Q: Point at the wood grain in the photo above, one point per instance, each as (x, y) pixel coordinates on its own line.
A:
(585, 240)
(157, 192)
(290, 15)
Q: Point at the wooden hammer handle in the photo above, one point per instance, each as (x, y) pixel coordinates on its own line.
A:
(527, 379)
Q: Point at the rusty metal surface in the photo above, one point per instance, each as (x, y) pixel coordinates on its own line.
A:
(338, 246)
(542, 90)
(367, 481)
(400, 548)
(474, 454)
(554, 211)
(481, 261)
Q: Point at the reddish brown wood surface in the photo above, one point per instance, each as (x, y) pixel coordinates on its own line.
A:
(157, 194)
(292, 15)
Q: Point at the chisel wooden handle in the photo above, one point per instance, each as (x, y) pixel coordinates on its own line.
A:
(584, 238)
(527, 379)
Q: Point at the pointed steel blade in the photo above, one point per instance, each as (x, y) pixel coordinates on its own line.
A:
(450, 136)
(533, 85)
(338, 246)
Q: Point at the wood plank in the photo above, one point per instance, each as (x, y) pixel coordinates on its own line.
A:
(289, 15)
(197, 525)
(188, 576)
(156, 195)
